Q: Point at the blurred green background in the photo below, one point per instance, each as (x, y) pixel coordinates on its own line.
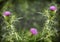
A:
(29, 10)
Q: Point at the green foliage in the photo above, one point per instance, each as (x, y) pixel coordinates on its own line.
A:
(25, 15)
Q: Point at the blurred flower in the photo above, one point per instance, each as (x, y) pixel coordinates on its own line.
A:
(6, 13)
(53, 8)
(33, 31)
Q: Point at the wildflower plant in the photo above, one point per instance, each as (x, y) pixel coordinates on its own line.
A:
(49, 31)
(10, 34)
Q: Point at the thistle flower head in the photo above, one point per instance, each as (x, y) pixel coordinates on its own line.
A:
(33, 31)
(53, 8)
(6, 13)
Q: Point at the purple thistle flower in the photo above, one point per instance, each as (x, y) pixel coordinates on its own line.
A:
(33, 31)
(53, 8)
(6, 13)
